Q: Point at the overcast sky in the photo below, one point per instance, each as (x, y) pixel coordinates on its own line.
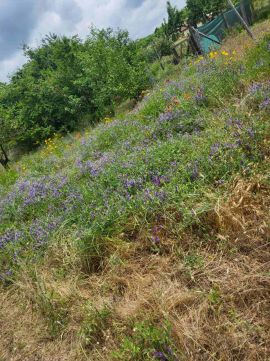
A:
(27, 21)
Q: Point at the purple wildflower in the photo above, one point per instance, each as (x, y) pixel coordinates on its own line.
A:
(87, 167)
(40, 231)
(168, 116)
(160, 195)
(11, 236)
(235, 123)
(155, 235)
(265, 104)
(251, 133)
(131, 184)
(200, 96)
(167, 95)
(6, 275)
(195, 171)
(159, 180)
(159, 355)
(229, 145)
(254, 88)
(215, 148)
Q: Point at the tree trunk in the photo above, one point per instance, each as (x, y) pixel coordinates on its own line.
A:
(4, 160)
(242, 20)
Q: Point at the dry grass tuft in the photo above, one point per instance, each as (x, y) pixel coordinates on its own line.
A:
(241, 42)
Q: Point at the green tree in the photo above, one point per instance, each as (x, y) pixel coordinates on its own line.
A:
(112, 65)
(65, 79)
(176, 19)
(44, 96)
(204, 10)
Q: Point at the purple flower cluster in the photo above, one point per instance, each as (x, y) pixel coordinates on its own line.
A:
(265, 104)
(88, 167)
(195, 173)
(167, 355)
(235, 123)
(169, 116)
(167, 95)
(218, 147)
(160, 195)
(32, 191)
(41, 231)
(6, 275)
(155, 235)
(95, 168)
(255, 87)
(11, 236)
(215, 149)
(159, 355)
(130, 183)
(259, 64)
(72, 201)
(200, 96)
(159, 180)
(150, 195)
(177, 85)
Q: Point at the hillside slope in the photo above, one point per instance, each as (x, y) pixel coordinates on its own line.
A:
(147, 237)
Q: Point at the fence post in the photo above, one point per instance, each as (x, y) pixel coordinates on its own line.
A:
(242, 20)
(195, 38)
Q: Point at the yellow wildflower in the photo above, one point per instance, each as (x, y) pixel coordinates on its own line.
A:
(213, 54)
(107, 120)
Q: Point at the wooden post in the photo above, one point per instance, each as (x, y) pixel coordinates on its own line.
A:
(176, 57)
(242, 20)
(195, 39)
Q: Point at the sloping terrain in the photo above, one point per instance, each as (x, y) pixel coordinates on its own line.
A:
(147, 237)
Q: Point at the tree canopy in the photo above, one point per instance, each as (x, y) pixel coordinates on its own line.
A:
(204, 10)
(65, 79)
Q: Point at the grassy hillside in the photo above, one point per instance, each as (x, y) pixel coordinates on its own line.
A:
(147, 236)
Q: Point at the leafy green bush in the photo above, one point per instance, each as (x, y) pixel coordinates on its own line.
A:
(43, 96)
(65, 79)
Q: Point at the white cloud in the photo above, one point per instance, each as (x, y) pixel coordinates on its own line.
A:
(9, 66)
(69, 17)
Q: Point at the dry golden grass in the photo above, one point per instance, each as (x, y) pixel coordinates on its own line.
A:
(219, 308)
(241, 42)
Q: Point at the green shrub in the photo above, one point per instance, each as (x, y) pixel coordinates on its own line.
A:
(147, 342)
(94, 326)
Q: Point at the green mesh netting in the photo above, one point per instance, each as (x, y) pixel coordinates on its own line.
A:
(218, 27)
